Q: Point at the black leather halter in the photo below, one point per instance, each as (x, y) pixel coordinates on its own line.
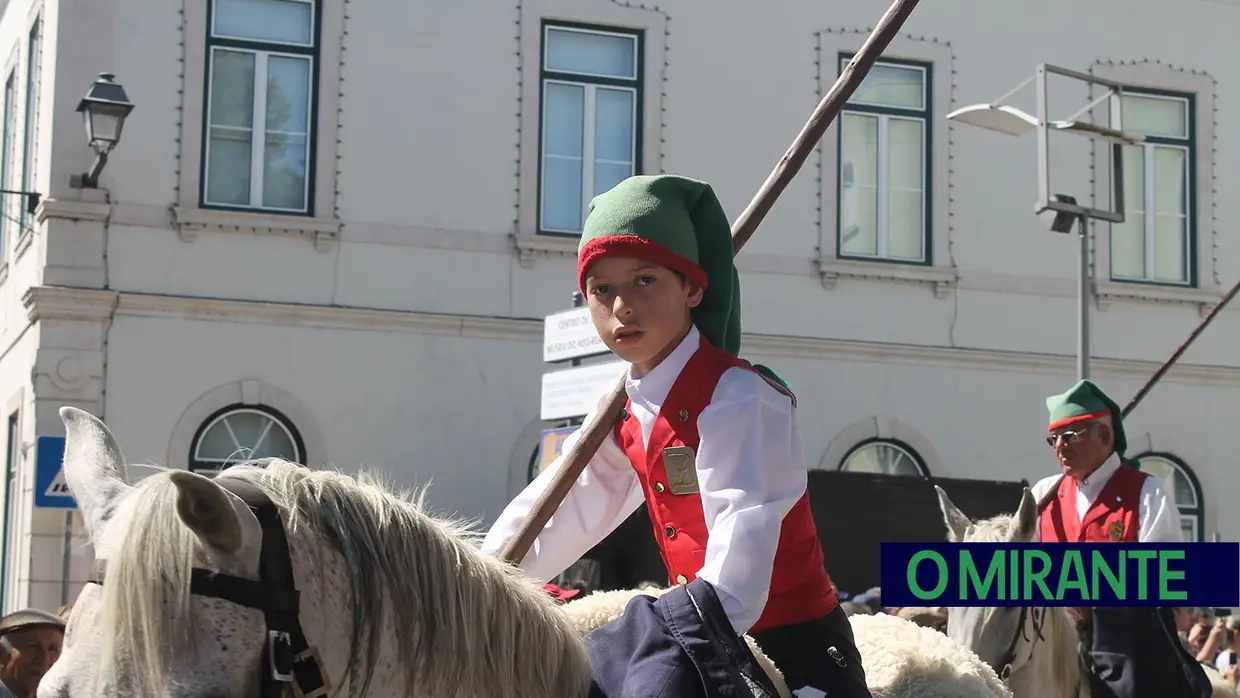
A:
(288, 659)
(1004, 665)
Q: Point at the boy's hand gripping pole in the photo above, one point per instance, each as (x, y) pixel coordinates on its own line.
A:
(824, 114)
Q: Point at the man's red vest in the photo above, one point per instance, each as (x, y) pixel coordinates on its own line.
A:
(1112, 517)
(801, 590)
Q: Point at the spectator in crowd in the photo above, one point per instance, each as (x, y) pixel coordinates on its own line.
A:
(1226, 660)
(30, 641)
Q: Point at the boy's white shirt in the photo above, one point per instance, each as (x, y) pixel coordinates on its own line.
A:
(1158, 515)
(751, 472)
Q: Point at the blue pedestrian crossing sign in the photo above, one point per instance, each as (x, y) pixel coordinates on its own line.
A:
(50, 489)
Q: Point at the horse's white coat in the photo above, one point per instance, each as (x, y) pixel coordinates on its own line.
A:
(901, 659)
(438, 619)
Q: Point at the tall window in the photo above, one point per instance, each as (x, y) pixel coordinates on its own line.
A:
(1155, 241)
(237, 434)
(884, 165)
(591, 106)
(884, 457)
(7, 216)
(34, 69)
(12, 455)
(1182, 486)
(258, 146)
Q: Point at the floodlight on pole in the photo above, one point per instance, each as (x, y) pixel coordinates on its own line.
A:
(1009, 120)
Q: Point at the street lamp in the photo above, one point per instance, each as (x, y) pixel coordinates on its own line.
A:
(1011, 121)
(104, 109)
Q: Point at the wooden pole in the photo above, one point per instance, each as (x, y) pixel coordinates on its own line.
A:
(823, 115)
(1192, 337)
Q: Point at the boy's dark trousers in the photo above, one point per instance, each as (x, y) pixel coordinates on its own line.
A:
(680, 645)
(1136, 653)
(820, 654)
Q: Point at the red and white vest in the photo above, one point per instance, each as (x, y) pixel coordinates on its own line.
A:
(1114, 515)
(801, 590)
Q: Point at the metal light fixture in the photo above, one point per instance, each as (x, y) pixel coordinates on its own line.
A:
(1068, 213)
(104, 109)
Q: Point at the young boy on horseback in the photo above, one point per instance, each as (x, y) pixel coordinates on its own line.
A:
(707, 441)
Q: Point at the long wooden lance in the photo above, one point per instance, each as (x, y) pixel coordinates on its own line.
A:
(823, 115)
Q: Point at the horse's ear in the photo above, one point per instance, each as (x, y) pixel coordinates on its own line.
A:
(957, 523)
(205, 508)
(93, 467)
(1026, 518)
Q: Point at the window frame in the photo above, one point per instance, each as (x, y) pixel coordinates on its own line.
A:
(34, 91)
(8, 112)
(313, 53)
(590, 83)
(1197, 514)
(897, 444)
(884, 113)
(1189, 145)
(12, 461)
(195, 465)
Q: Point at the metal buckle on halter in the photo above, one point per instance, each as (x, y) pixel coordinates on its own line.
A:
(274, 636)
(312, 654)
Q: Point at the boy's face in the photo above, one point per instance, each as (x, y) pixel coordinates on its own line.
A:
(640, 309)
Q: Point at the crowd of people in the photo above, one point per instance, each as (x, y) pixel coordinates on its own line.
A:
(870, 603)
(1214, 640)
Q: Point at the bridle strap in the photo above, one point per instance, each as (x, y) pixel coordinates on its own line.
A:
(1006, 663)
(288, 659)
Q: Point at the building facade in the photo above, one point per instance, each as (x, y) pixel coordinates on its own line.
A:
(331, 229)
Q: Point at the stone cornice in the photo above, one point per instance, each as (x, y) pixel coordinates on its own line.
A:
(58, 303)
(44, 303)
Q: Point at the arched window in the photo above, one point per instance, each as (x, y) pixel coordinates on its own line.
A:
(1183, 488)
(240, 433)
(886, 457)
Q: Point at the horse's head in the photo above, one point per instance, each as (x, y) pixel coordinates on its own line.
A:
(401, 602)
(997, 635)
(173, 521)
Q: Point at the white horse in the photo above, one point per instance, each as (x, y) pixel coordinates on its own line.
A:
(395, 601)
(1037, 651)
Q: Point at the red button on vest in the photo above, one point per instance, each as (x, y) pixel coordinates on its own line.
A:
(800, 586)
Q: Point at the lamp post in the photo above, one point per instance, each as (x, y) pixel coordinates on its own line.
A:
(104, 110)
(1011, 121)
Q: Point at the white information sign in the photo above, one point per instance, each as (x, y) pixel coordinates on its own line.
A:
(576, 391)
(570, 334)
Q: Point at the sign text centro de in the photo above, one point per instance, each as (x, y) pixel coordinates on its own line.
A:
(574, 392)
(570, 334)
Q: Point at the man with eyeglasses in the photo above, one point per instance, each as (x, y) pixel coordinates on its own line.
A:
(1100, 495)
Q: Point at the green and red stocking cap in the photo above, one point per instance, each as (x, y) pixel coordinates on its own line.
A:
(677, 223)
(1086, 402)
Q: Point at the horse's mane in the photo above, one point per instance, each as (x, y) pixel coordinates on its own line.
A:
(465, 624)
(1058, 629)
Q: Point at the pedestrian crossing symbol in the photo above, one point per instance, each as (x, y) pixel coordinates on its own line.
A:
(51, 491)
(58, 488)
